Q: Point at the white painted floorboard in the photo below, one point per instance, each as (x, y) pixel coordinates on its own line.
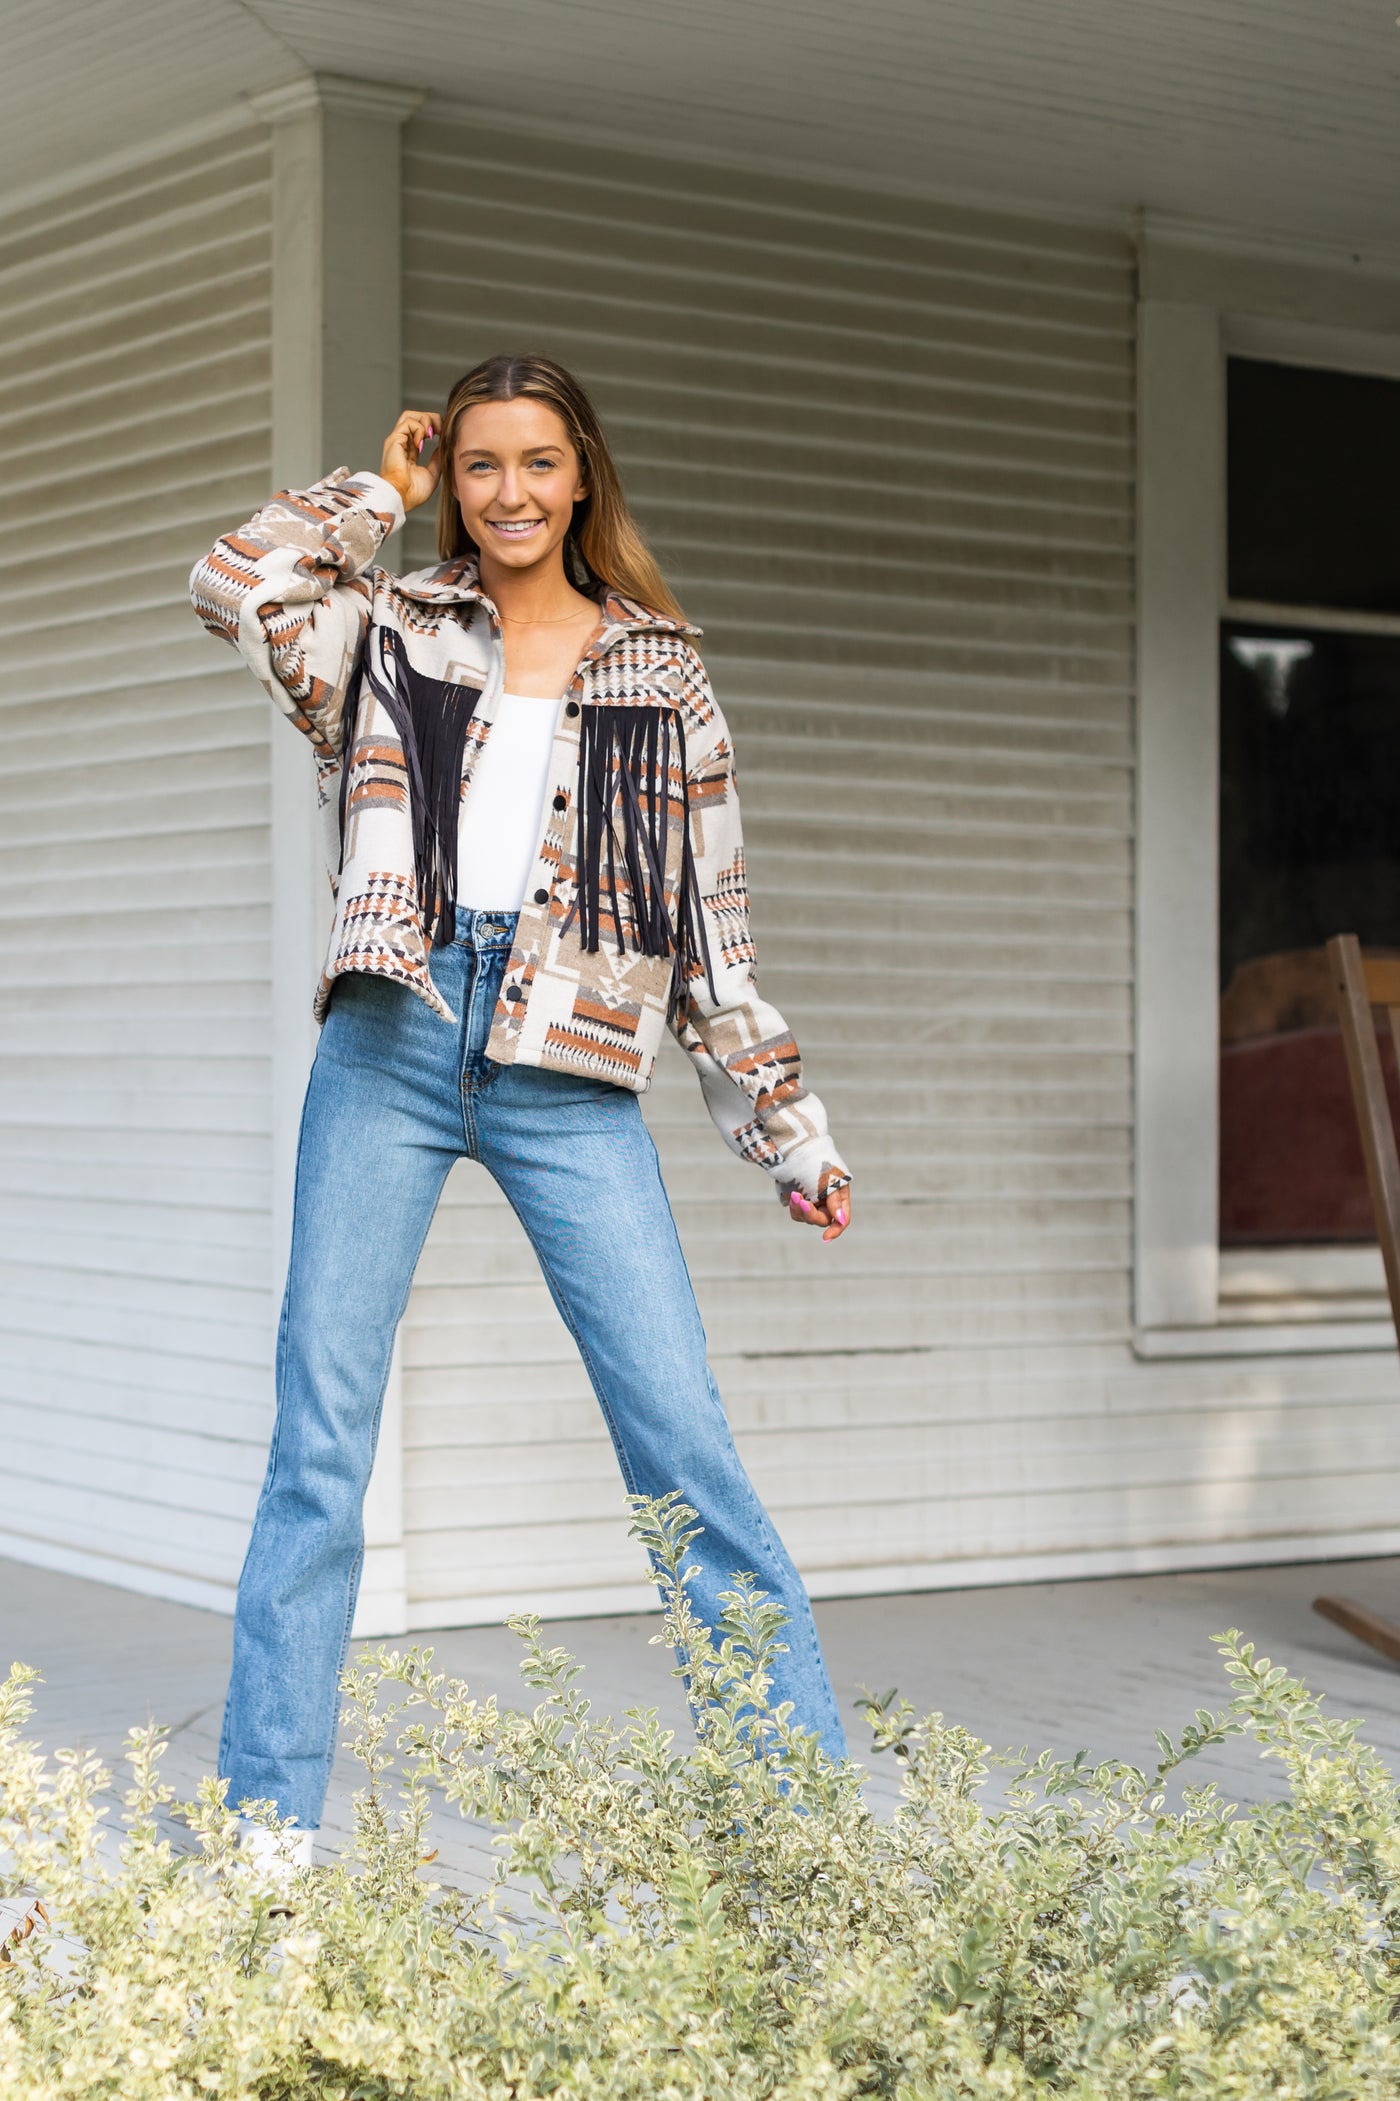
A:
(1097, 1664)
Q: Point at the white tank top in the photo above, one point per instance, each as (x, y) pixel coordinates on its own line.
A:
(496, 846)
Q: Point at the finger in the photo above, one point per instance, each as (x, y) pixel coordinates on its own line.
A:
(415, 429)
(838, 1211)
(805, 1211)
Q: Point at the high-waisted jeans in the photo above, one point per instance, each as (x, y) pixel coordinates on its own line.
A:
(396, 1096)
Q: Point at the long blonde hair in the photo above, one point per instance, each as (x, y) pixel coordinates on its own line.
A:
(604, 544)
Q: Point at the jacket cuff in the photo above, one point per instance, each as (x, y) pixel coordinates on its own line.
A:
(815, 1168)
(379, 495)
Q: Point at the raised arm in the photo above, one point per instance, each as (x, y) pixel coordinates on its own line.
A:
(749, 1066)
(292, 589)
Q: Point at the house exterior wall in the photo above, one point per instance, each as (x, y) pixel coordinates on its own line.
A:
(886, 450)
(135, 1338)
(886, 454)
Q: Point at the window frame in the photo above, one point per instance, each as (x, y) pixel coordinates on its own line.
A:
(1203, 300)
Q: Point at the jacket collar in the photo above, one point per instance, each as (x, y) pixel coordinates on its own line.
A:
(457, 582)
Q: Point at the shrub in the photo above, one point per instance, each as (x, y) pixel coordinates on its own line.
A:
(727, 1920)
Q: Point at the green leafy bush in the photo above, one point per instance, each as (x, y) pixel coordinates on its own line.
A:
(724, 1920)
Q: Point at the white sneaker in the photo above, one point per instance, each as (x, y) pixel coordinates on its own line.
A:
(279, 1854)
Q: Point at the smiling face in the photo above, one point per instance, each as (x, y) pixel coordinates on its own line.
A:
(517, 479)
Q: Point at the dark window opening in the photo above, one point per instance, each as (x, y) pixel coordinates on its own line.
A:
(1309, 847)
(1314, 464)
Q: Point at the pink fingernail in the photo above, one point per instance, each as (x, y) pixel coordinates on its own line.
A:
(841, 1218)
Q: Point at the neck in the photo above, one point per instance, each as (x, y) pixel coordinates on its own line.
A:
(539, 593)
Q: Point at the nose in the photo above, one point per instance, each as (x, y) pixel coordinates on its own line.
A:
(511, 495)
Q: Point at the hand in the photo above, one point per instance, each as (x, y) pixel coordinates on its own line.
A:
(400, 464)
(834, 1215)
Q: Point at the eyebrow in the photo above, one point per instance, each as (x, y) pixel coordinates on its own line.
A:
(526, 451)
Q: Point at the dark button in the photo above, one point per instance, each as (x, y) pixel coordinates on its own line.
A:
(541, 897)
(561, 802)
(514, 994)
(572, 708)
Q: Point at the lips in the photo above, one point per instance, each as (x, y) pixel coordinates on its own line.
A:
(515, 528)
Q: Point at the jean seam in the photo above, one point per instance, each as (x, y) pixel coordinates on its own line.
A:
(619, 1447)
(624, 1465)
(270, 1471)
(780, 1552)
(358, 1567)
(614, 1431)
(776, 1549)
(284, 1318)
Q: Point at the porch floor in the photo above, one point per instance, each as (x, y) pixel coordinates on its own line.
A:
(1095, 1664)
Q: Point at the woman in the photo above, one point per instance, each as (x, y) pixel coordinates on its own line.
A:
(538, 867)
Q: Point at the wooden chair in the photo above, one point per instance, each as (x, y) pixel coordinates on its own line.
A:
(1362, 984)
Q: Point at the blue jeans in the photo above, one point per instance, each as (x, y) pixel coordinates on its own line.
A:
(395, 1097)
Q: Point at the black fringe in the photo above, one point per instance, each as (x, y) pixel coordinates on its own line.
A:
(624, 769)
(431, 716)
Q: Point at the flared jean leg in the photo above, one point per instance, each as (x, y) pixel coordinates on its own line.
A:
(377, 1140)
(578, 1164)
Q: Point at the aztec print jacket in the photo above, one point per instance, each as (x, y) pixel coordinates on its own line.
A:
(638, 915)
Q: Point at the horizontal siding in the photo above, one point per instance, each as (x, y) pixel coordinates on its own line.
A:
(134, 867)
(885, 452)
(886, 459)
(981, 1461)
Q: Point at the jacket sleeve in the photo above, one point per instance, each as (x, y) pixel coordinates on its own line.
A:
(748, 1064)
(291, 590)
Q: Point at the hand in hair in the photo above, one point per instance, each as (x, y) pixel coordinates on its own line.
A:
(400, 464)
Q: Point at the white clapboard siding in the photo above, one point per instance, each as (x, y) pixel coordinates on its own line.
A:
(885, 450)
(135, 1328)
(885, 453)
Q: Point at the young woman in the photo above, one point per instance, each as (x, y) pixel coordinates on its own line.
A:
(538, 868)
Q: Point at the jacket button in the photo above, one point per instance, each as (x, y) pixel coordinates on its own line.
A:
(561, 802)
(541, 897)
(514, 994)
(571, 708)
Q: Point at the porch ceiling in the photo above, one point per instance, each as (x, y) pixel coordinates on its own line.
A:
(1269, 114)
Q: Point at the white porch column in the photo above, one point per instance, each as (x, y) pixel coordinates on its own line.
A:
(1181, 585)
(336, 390)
